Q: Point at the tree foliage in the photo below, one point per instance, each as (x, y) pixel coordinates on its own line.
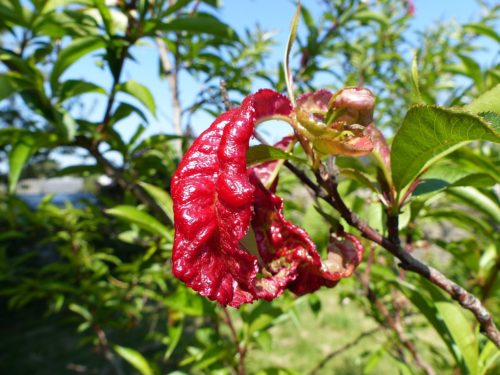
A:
(87, 286)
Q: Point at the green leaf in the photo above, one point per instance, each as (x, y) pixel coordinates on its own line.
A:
(473, 70)
(80, 170)
(371, 16)
(67, 125)
(286, 60)
(477, 200)
(489, 356)
(178, 5)
(142, 219)
(71, 53)
(161, 197)
(141, 93)
(51, 5)
(123, 111)
(75, 87)
(423, 296)
(428, 134)
(81, 310)
(135, 358)
(18, 156)
(487, 102)
(480, 28)
(462, 332)
(201, 23)
(262, 153)
(415, 78)
(174, 337)
(11, 83)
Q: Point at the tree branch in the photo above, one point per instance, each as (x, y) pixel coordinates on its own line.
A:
(326, 189)
(171, 71)
(239, 347)
(117, 176)
(342, 349)
(395, 325)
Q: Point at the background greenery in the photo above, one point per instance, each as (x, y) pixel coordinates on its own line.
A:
(87, 287)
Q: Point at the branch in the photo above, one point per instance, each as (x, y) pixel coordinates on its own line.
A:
(239, 347)
(117, 176)
(108, 354)
(326, 189)
(395, 325)
(342, 349)
(171, 71)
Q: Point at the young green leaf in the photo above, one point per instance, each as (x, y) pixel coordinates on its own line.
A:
(141, 93)
(71, 53)
(487, 102)
(201, 23)
(286, 61)
(135, 358)
(366, 16)
(429, 133)
(142, 219)
(161, 197)
(415, 78)
(13, 82)
(75, 87)
(19, 154)
(481, 28)
(262, 153)
(463, 333)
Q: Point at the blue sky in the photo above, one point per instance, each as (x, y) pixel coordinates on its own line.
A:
(272, 15)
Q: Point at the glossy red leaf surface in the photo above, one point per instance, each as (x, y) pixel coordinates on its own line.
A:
(213, 200)
(289, 253)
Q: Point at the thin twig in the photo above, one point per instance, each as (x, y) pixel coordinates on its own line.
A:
(329, 193)
(108, 354)
(115, 174)
(171, 70)
(195, 7)
(396, 326)
(116, 79)
(239, 347)
(342, 349)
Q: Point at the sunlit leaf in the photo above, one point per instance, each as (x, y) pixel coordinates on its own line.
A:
(371, 16)
(135, 358)
(161, 197)
(144, 220)
(429, 133)
(463, 333)
(201, 23)
(21, 151)
(262, 153)
(487, 102)
(141, 93)
(288, 49)
(11, 83)
(72, 52)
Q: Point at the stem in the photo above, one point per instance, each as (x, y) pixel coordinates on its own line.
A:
(113, 172)
(116, 79)
(393, 228)
(241, 349)
(171, 70)
(396, 326)
(108, 354)
(327, 190)
(342, 349)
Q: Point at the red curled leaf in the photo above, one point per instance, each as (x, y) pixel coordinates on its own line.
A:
(213, 200)
(345, 252)
(290, 255)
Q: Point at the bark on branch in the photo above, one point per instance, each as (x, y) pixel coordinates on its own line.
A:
(326, 189)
